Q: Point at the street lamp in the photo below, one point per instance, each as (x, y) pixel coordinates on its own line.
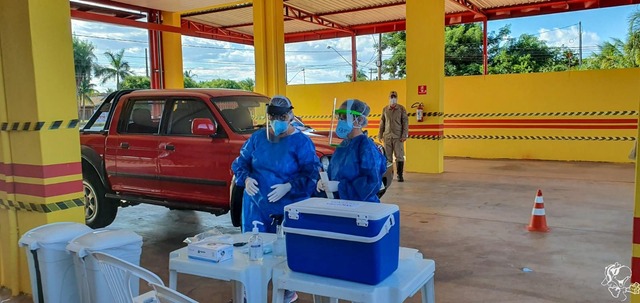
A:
(354, 66)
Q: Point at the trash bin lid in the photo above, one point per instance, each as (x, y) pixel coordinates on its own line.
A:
(53, 233)
(102, 239)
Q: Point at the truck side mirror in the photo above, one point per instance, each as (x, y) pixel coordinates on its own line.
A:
(203, 127)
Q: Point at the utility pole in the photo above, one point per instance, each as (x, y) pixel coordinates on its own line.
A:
(146, 63)
(379, 61)
(580, 43)
(304, 77)
(371, 70)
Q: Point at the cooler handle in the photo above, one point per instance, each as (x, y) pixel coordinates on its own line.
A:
(346, 237)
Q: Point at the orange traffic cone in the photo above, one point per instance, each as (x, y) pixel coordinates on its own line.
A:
(538, 218)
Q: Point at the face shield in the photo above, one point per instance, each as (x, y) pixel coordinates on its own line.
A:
(348, 119)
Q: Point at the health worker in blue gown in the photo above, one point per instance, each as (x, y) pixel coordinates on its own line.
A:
(277, 166)
(357, 166)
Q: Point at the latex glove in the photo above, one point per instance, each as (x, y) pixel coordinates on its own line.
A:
(251, 186)
(279, 190)
(332, 187)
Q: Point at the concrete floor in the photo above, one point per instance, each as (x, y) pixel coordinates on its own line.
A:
(472, 221)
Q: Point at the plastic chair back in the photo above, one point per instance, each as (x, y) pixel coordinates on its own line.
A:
(120, 275)
(167, 295)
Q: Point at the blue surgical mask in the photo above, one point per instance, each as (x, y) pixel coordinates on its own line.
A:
(279, 127)
(344, 128)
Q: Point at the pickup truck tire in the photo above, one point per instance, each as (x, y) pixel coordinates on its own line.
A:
(100, 211)
(235, 204)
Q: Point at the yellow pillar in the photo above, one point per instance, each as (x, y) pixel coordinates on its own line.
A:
(268, 41)
(40, 172)
(635, 250)
(425, 83)
(172, 53)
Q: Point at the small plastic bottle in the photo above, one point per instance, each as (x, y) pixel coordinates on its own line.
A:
(255, 243)
(279, 246)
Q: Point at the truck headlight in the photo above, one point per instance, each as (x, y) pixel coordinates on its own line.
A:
(324, 160)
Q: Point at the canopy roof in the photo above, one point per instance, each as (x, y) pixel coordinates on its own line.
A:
(308, 20)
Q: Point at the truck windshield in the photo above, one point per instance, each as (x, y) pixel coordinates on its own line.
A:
(244, 114)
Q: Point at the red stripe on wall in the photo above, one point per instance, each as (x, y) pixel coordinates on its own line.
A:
(583, 121)
(635, 270)
(41, 171)
(49, 190)
(426, 126)
(545, 126)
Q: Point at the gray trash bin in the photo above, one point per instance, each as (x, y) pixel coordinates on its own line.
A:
(123, 244)
(51, 267)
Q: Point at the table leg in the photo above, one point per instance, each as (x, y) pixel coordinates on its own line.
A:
(238, 291)
(173, 279)
(428, 292)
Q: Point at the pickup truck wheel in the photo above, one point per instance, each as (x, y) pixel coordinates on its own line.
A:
(99, 210)
(235, 205)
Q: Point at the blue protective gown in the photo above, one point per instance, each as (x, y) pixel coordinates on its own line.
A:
(291, 160)
(359, 166)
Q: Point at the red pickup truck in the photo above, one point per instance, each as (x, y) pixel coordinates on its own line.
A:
(172, 148)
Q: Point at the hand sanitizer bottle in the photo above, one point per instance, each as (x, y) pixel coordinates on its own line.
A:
(255, 243)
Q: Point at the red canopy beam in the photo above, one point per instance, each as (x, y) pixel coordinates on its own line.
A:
(301, 15)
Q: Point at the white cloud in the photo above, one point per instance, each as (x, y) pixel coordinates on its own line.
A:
(569, 37)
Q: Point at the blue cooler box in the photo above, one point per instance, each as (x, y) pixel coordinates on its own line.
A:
(348, 240)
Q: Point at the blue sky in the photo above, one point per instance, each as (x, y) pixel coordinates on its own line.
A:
(313, 62)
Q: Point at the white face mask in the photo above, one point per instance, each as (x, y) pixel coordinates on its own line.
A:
(393, 101)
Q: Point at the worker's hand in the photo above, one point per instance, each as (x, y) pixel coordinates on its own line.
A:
(333, 186)
(403, 139)
(279, 190)
(251, 186)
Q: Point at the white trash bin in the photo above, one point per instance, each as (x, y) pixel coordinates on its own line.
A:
(51, 267)
(123, 244)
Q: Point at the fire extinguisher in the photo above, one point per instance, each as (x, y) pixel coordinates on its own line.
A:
(419, 106)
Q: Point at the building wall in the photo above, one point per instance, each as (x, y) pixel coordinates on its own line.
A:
(581, 116)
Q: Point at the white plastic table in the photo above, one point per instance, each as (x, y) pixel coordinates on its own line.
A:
(253, 275)
(414, 273)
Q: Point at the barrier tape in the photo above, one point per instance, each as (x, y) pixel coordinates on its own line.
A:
(41, 208)
(38, 126)
(471, 115)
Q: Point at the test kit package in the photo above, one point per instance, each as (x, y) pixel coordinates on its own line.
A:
(348, 240)
(209, 250)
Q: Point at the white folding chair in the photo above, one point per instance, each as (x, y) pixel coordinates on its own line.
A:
(120, 275)
(167, 295)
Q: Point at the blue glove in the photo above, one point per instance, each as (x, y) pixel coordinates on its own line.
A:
(279, 190)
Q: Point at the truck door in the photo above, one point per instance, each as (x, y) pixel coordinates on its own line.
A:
(194, 168)
(132, 150)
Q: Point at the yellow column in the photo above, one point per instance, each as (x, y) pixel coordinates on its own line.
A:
(425, 83)
(172, 53)
(635, 250)
(40, 172)
(268, 40)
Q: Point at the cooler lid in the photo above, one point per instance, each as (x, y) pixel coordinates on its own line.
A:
(59, 232)
(342, 208)
(102, 239)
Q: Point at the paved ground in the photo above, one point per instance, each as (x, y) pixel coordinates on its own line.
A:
(471, 220)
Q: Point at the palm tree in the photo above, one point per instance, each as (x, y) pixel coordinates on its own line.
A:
(85, 91)
(618, 53)
(83, 59)
(117, 69)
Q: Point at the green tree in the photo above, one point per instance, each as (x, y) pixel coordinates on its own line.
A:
(526, 54)
(247, 84)
(362, 76)
(396, 66)
(619, 53)
(83, 59)
(85, 90)
(136, 82)
(188, 79)
(220, 83)
(117, 69)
